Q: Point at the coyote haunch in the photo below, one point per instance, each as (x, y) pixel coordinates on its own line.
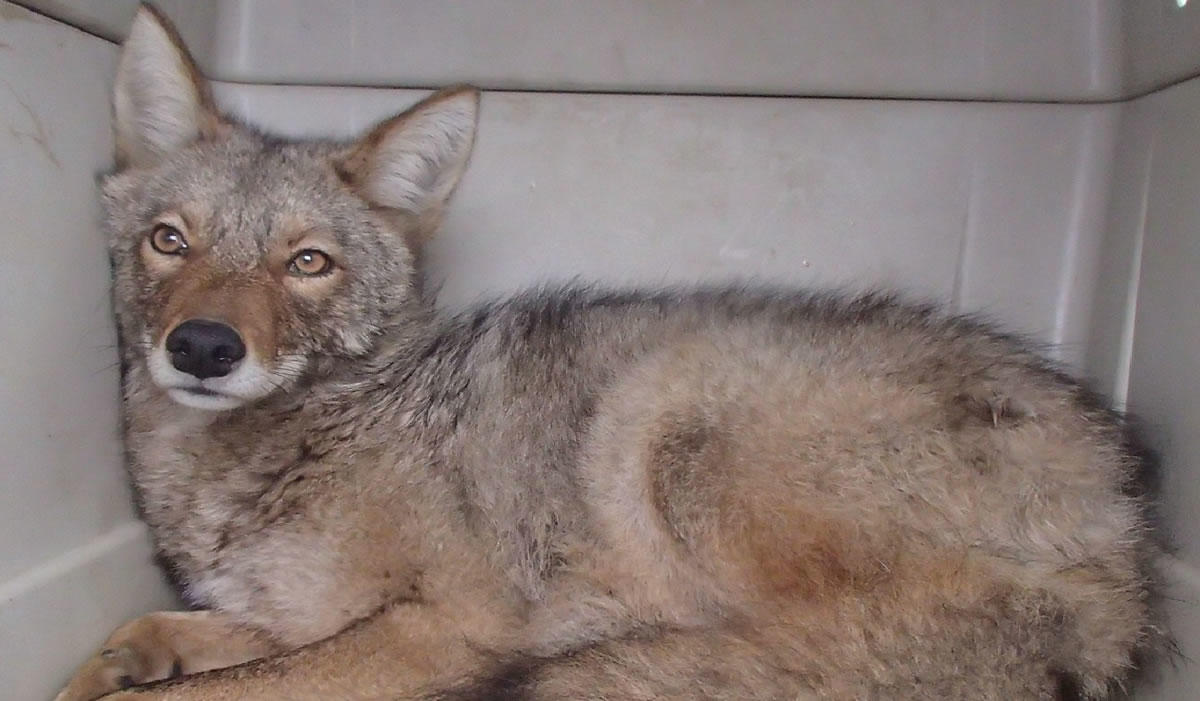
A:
(718, 493)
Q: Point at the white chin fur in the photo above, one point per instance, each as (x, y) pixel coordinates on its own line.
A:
(208, 402)
(248, 382)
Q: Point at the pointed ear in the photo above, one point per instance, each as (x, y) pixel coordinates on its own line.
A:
(413, 161)
(161, 102)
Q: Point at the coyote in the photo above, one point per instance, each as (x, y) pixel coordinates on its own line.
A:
(719, 493)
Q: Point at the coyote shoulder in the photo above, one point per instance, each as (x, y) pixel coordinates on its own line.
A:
(724, 493)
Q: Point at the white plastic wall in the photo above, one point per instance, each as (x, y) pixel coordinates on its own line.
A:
(1078, 50)
(1164, 377)
(1075, 217)
(73, 559)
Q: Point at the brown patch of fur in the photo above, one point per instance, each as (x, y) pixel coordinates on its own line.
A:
(247, 302)
(685, 454)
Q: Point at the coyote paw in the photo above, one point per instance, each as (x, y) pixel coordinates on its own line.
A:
(164, 645)
(113, 669)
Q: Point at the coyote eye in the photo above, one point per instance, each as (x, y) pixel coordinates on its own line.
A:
(168, 240)
(309, 263)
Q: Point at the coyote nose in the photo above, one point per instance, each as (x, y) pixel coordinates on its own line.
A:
(205, 348)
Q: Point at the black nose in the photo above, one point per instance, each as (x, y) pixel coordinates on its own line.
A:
(205, 348)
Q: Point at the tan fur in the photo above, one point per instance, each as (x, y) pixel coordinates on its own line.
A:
(725, 494)
(166, 644)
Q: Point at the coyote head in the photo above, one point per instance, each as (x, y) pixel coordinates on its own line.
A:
(242, 259)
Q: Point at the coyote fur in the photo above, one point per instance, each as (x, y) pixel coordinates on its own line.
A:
(719, 493)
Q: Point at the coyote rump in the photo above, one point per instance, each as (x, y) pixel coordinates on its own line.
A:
(722, 493)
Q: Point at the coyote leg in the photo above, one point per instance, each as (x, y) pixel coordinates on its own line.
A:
(402, 651)
(162, 645)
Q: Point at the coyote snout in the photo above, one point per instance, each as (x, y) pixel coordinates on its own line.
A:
(207, 363)
(214, 343)
(205, 349)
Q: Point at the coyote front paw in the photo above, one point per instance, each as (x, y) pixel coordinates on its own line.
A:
(165, 645)
(116, 667)
(139, 652)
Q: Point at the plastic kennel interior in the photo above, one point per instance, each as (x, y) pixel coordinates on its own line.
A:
(1038, 160)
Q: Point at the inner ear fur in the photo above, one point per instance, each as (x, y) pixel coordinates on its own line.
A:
(161, 100)
(409, 165)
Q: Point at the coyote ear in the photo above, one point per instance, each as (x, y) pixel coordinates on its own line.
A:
(413, 161)
(161, 102)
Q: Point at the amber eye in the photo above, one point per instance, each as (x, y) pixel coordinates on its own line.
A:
(309, 263)
(168, 240)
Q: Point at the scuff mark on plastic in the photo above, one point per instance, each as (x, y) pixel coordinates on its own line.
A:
(37, 133)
